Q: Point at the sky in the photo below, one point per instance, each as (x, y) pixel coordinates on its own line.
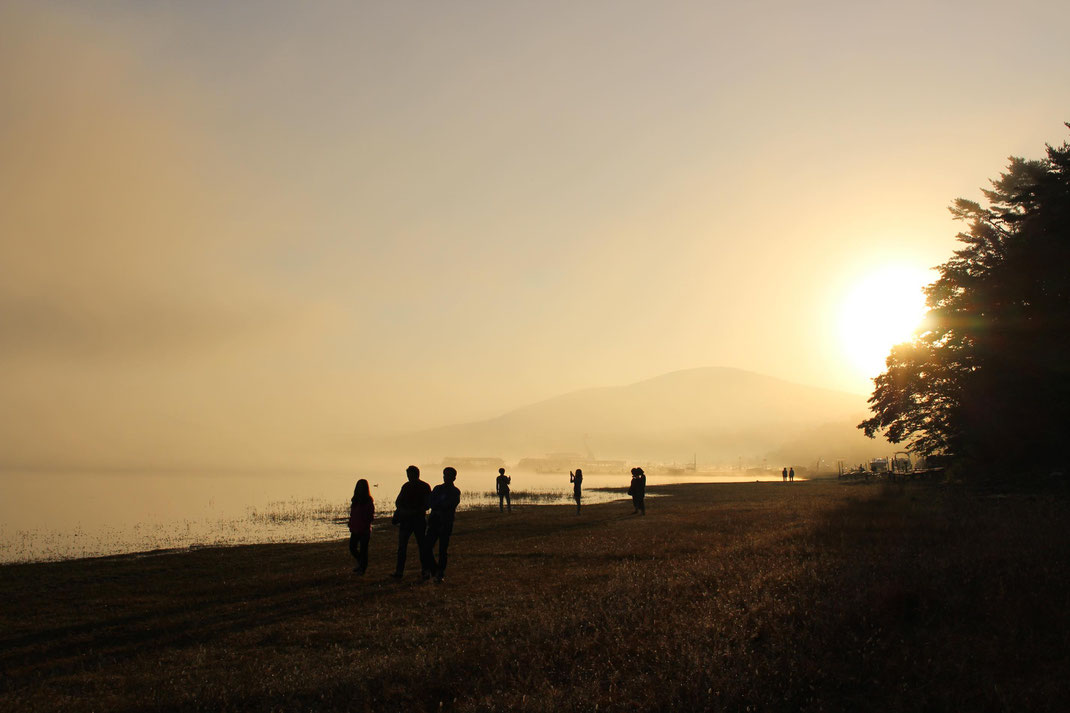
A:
(250, 232)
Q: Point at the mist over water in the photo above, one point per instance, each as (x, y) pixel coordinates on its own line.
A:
(65, 515)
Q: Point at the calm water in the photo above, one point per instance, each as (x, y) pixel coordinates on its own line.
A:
(51, 516)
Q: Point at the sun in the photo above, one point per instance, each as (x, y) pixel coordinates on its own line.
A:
(881, 310)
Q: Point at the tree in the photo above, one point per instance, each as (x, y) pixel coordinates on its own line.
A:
(987, 379)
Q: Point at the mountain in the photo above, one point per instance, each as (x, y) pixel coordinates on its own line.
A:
(716, 413)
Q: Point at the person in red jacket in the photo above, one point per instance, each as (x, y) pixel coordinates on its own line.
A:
(361, 513)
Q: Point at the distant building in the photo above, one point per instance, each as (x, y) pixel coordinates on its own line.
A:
(548, 464)
(473, 463)
(603, 466)
(564, 462)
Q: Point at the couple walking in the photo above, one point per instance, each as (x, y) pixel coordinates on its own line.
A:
(413, 501)
(637, 489)
(788, 474)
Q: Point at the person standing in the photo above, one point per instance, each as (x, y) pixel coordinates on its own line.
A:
(412, 504)
(502, 483)
(361, 514)
(791, 474)
(637, 490)
(577, 487)
(784, 474)
(444, 501)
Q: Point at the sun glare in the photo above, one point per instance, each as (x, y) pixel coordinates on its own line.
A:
(881, 310)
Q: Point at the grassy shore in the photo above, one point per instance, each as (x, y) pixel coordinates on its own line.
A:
(811, 596)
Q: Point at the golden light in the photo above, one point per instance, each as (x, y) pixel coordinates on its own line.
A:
(882, 309)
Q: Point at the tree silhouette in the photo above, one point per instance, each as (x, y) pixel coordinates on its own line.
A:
(987, 380)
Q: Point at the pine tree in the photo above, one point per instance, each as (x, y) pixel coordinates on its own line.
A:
(987, 380)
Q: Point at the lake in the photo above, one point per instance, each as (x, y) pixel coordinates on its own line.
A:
(64, 515)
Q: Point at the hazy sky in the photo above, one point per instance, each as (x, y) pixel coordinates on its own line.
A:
(244, 232)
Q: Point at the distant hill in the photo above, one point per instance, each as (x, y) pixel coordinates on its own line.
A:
(718, 414)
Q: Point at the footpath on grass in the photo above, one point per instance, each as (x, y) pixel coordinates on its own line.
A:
(807, 596)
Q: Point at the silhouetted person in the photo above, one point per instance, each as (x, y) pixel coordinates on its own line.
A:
(784, 474)
(444, 501)
(361, 514)
(412, 503)
(502, 483)
(791, 474)
(577, 487)
(637, 490)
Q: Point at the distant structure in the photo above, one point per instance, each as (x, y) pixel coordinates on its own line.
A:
(675, 469)
(604, 466)
(565, 462)
(473, 463)
(551, 463)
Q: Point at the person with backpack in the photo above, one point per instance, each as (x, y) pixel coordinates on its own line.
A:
(444, 501)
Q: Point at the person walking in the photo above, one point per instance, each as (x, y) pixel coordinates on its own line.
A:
(577, 487)
(412, 503)
(637, 490)
(784, 474)
(361, 514)
(791, 474)
(444, 501)
(502, 483)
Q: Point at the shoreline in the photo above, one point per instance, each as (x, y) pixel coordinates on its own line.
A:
(381, 524)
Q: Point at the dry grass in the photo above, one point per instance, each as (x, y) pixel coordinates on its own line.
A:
(811, 596)
(530, 496)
